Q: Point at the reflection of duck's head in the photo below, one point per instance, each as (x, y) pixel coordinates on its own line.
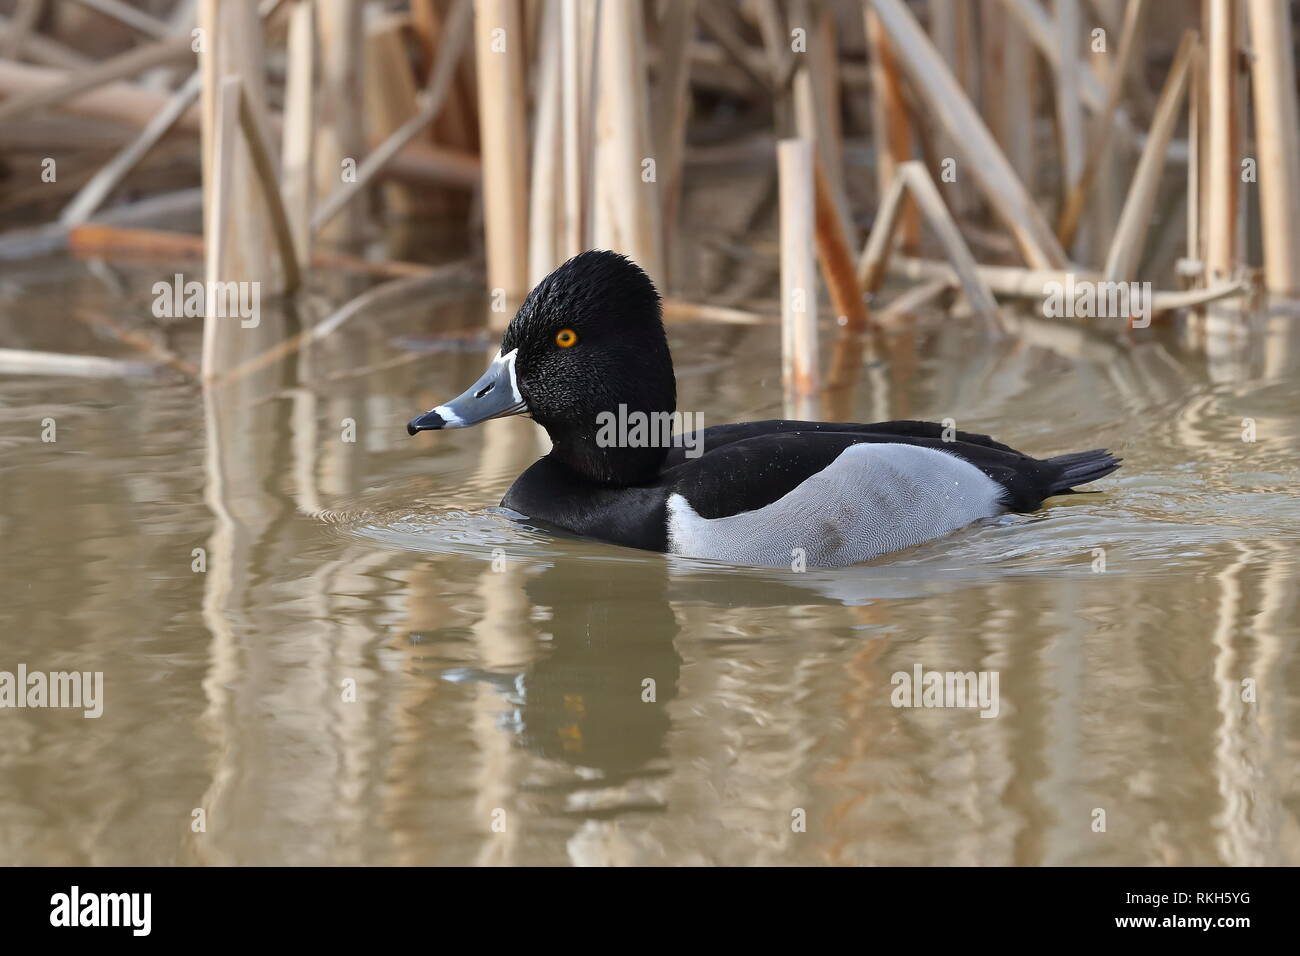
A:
(599, 697)
(588, 339)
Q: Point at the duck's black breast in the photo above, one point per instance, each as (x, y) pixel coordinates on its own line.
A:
(634, 516)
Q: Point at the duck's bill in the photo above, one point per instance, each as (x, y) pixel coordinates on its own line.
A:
(494, 395)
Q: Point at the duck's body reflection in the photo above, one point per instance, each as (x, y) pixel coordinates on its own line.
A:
(596, 694)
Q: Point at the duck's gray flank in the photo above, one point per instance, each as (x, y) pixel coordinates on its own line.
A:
(872, 499)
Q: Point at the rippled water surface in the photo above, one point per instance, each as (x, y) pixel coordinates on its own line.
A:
(375, 664)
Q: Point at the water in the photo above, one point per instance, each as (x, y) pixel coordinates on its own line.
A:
(377, 665)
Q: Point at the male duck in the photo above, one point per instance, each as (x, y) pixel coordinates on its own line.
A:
(589, 339)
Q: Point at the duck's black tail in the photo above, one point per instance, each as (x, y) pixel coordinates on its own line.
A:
(1080, 468)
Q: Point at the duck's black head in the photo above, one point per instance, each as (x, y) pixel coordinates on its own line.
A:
(587, 340)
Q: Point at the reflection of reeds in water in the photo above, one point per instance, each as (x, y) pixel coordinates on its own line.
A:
(1273, 661)
(333, 745)
(1254, 826)
(791, 711)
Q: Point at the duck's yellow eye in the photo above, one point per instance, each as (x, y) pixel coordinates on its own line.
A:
(566, 338)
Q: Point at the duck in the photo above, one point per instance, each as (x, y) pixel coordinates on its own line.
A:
(587, 347)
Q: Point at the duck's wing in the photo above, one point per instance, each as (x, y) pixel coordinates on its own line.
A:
(735, 472)
(719, 435)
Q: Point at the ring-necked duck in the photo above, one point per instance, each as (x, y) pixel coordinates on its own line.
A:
(588, 344)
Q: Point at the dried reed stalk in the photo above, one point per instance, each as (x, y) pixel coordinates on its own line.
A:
(891, 124)
(1071, 134)
(835, 258)
(340, 126)
(219, 186)
(982, 159)
(389, 97)
(800, 374)
(297, 145)
(546, 188)
(264, 165)
(233, 47)
(1080, 185)
(573, 112)
(98, 188)
(431, 102)
(1007, 88)
(499, 49)
(130, 16)
(1130, 234)
(130, 63)
(101, 240)
(1277, 131)
(1223, 173)
(913, 178)
(627, 197)
(672, 108)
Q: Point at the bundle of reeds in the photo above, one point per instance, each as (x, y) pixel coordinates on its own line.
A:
(314, 126)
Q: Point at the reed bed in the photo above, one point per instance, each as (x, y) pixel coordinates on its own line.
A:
(989, 150)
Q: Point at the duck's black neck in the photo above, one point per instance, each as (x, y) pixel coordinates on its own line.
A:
(604, 464)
